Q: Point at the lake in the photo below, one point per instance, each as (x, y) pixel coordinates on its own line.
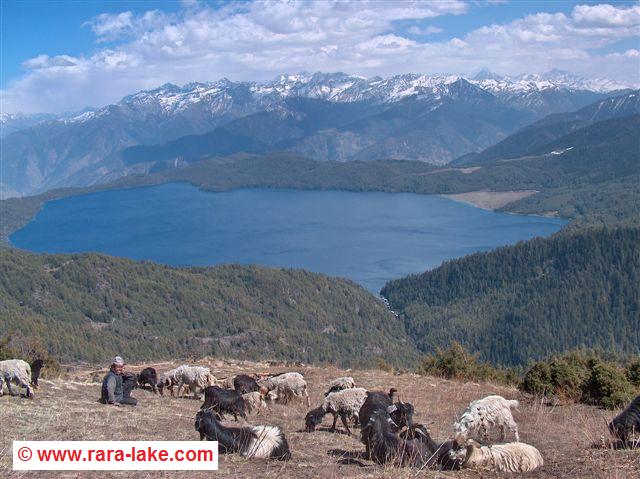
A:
(367, 237)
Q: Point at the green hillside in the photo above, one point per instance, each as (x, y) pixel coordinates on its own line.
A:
(527, 301)
(91, 307)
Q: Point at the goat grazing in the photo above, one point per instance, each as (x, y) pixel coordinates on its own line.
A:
(18, 372)
(345, 403)
(511, 457)
(284, 387)
(245, 384)
(485, 414)
(339, 384)
(224, 401)
(148, 377)
(625, 427)
(259, 442)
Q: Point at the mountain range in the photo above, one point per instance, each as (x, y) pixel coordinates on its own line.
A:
(325, 116)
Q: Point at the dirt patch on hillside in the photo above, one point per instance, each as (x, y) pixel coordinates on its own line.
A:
(66, 409)
(491, 200)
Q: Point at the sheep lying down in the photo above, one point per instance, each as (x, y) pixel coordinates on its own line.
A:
(510, 457)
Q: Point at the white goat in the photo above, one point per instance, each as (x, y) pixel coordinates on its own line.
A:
(511, 457)
(284, 387)
(485, 414)
(254, 401)
(18, 372)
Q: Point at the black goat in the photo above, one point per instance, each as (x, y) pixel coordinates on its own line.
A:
(148, 376)
(400, 414)
(626, 426)
(245, 384)
(36, 367)
(224, 401)
(387, 448)
(259, 442)
(448, 455)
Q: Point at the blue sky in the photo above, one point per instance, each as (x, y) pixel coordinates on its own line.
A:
(61, 56)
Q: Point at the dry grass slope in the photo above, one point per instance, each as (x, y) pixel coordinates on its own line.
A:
(66, 409)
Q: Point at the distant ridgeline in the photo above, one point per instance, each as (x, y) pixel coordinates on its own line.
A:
(528, 301)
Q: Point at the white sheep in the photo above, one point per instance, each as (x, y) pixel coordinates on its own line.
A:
(345, 403)
(284, 387)
(511, 457)
(168, 379)
(18, 372)
(195, 377)
(339, 384)
(254, 401)
(485, 414)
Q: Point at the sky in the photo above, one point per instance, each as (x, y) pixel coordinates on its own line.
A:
(62, 56)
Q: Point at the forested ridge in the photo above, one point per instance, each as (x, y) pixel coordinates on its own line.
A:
(524, 302)
(91, 306)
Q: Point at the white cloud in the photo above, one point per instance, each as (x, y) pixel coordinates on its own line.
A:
(606, 15)
(430, 30)
(259, 40)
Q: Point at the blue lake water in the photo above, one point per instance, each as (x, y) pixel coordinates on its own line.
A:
(367, 237)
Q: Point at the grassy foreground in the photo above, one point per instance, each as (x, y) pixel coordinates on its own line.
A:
(66, 409)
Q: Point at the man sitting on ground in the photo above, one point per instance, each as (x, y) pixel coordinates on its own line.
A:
(117, 385)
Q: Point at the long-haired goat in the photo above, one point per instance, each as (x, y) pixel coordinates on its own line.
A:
(245, 384)
(345, 403)
(625, 427)
(447, 455)
(386, 447)
(224, 401)
(148, 377)
(400, 413)
(36, 367)
(511, 457)
(484, 415)
(254, 442)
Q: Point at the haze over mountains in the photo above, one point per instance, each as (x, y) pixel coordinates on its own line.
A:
(322, 116)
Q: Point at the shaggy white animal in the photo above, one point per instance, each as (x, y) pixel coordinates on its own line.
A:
(18, 372)
(254, 401)
(347, 401)
(484, 415)
(195, 377)
(267, 439)
(339, 384)
(346, 404)
(511, 457)
(284, 387)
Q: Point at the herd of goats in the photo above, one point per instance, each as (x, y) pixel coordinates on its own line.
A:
(387, 429)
